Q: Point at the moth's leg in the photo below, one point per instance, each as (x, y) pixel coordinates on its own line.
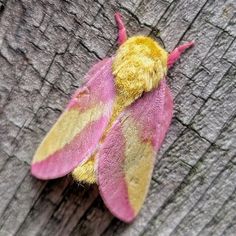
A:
(176, 53)
(122, 36)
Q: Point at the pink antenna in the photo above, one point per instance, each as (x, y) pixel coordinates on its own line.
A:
(122, 36)
(176, 53)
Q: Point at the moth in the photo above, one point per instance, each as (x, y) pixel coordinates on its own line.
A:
(113, 126)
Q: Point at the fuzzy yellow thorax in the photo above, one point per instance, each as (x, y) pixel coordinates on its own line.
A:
(139, 65)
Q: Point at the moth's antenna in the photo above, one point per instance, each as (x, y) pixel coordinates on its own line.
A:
(122, 36)
(176, 53)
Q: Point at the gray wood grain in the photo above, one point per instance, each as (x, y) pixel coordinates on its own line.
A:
(47, 46)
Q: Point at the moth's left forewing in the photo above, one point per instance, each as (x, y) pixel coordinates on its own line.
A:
(76, 134)
(126, 158)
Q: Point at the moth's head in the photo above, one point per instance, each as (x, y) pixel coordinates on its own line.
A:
(146, 48)
(139, 65)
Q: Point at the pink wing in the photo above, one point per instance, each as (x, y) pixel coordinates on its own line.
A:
(76, 134)
(126, 158)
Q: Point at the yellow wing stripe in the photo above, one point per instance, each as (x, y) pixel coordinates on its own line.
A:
(69, 124)
(139, 159)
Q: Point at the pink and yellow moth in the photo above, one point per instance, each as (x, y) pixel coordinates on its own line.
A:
(113, 126)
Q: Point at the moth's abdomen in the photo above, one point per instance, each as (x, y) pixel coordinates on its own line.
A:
(139, 65)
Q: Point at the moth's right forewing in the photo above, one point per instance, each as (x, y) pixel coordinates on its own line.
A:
(78, 130)
(126, 158)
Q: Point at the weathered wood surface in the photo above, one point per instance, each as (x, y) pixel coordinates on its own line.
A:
(47, 46)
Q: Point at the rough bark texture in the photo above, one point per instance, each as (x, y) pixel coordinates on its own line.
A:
(47, 46)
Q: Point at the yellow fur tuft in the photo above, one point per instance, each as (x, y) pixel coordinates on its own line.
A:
(85, 172)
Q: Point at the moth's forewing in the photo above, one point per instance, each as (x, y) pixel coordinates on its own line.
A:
(126, 158)
(78, 130)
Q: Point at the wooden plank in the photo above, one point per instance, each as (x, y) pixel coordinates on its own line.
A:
(47, 46)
